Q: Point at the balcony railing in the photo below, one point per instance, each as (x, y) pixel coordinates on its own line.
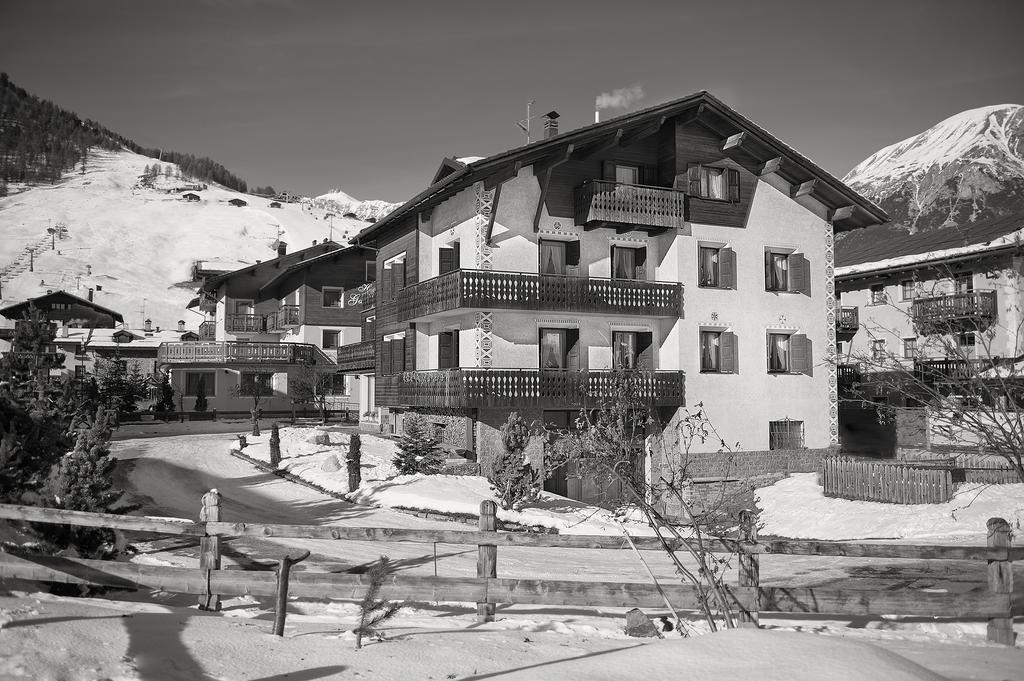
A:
(356, 356)
(488, 289)
(939, 314)
(208, 331)
(244, 323)
(472, 388)
(604, 201)
(283, 319)
(848, 320)
(227, 353)
(950, 370)
(848, 375)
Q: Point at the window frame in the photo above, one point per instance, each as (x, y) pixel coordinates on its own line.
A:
(341, 297)
(789, 352)
(718, 351)
(878, 351)
(787, 287)
(877, 294)
(249, 377)
(910, 348)
(323, 339)
(966, 278)
(904, 290)
(211, 385)
(634, 359)
(637, 171)
(717, 261)
(781, 441)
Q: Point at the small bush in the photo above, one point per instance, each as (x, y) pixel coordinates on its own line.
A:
(418, 450)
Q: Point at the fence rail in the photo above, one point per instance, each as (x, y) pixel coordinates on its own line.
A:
(998, 603)
(886, 481)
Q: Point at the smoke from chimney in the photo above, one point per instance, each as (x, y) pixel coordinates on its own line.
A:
(621, 98)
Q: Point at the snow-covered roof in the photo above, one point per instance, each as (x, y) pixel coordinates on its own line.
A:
(104, 338)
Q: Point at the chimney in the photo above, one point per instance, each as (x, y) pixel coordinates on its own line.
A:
(597, 116)
(551, 124)
(181, 326)
(148, 325)
(158, 329)
(90, 295)
(282, 248)
(315, 242)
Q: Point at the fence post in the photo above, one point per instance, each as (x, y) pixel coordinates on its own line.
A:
(1000, 581)
(209, 548)
(749, 567)
(284, 567)
(487, 556)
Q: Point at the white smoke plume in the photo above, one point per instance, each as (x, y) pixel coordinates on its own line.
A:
(622, 98)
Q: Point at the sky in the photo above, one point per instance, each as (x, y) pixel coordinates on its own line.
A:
(368, 97)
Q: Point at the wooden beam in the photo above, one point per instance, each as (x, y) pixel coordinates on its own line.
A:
(842, 213)
(733, 141)
(509, 173)
(803, 189)
(494, 211)
(624, 229)
(639, 134)
(589, 150)
(771, 166)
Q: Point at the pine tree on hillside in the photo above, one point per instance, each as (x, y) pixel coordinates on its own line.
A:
(419, 450)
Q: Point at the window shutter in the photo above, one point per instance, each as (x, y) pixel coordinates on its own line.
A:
(457, 254)
(693, 179)
(397, 355)
(800, 354)
(455, 349)
(641, 264)
(767, 270)
(445, 260)
(727, 268)
(386, 351)
(572, 353)
(649, 175)
(608, 170)
(572, 254)
(397, 278)
(444, 351)
(645, 351)
(409, 363)
(730, 358)
(734, 185)
(799, 274)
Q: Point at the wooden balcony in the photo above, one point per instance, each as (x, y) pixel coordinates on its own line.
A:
(474, 388)
(239, 354)
(848, 320)
(848, 375)
(603, 202)
(283, 319)
(974, 310)
(354, 357)
(949, 370)
(244, 324)
(490, 290)
(208, 331)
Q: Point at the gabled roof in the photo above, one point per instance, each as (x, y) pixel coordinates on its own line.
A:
(281, 261)
(309, 262)
(887, 247)
(19, 310)
(758, 147)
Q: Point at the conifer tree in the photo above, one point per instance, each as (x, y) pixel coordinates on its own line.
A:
(200, 404)
(419, 450)
(513, 479)
(372, 612)
(166, 393)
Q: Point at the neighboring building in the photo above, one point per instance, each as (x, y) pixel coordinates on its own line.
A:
(67, 309)
(278, 322)
(238, 203)
(682, 243)
(189, 196)
(895, 293)
(83, 347)
(275, 204)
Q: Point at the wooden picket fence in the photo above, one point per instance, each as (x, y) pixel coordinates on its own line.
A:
(749, 597)
(894, 482)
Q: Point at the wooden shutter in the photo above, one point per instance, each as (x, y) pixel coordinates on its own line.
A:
(641, 263)
(409, 363)
(444, 351)
(799, 274)
(727, 268)
(800, 360)
(645, 351)
(397, 355)
(608, 170)
(693, 179)
(649, 175)
(572, 254)
(386, 351)
(455, 349)
(457, 254)
(385, 284)
(734, 185)
(397, 278)
(730, 356)
(446, 260)
(572, 352)
(767, 270)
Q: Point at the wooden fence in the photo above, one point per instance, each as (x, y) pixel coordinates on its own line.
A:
(892, 482)
(997, 603)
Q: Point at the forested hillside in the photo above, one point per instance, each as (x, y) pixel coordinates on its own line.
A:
(39, 141)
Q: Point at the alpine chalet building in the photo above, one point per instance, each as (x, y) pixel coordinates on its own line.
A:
(682, 243)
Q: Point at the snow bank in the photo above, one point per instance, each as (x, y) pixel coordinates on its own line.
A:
(462, 494)
(796, 507)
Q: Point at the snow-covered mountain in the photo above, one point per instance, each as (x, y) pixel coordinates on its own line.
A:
(967, 168)
(341, 203)
(136, 245)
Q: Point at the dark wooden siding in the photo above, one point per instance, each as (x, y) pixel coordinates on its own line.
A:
(347, 272)
(404, 239)
(696, 144)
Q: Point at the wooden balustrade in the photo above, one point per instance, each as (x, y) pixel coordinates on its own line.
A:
(356, 356)
(244, 323)
(236, 353)
(529, 388)
(488, 289)
(604, 201)
(955, 311)
(285, 318)
(848, 320)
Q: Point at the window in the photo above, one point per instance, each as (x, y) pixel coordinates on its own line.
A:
(715, 183)
(392, 355)
(371, 271)
(552, 257)
(907, 289)
(192, 379)
(627, 174)
(967, 340)
(786, 271)
(448, 259)
(786, 434)
(330, 339)
(250, 381)
(559, 349)
(624, 353)
(79, 371)
(629, 263)
(789, 353)
(448, 350)
(711, 351)
(244, 307)
(778, 353)
(332, 296)
(338, 385)
(878, 350)
(709, 266)
(878, 294)
(909, 348)
(963, 282)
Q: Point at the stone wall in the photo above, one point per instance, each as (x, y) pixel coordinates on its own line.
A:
(488, 436)
(744, 464)
(457, 427)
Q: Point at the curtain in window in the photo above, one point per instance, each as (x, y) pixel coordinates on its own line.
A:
(623, 350)
(714, 183)
(778, 352)
(709, 266)
(778, 272)
(627, 174)
(552, 257)
(710, 351)
(552, 349)
(623, 263)
(243, 307)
